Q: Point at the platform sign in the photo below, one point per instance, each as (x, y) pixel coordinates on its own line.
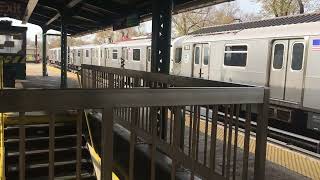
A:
(316, 45)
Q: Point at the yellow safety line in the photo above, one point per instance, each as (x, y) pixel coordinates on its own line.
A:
(70, 75)
(292, 160)
(97, 158)
(2, 149)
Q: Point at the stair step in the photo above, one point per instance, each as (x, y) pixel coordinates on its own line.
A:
(42, 170)
(40, 130)
(41, 143)
(84, 176)
(37, 153)
(42, 156)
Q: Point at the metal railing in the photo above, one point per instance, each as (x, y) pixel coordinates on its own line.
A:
(191, 136)
(124, 106)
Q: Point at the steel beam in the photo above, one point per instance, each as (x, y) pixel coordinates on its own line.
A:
(53, 19)
(68, 6)
(64, 63)
(161, 36)
(44, 52)
(30, 7)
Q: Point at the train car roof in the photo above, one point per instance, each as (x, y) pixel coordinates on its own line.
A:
(279, 21)
(275, 32)
(128, 43)
(85, 46)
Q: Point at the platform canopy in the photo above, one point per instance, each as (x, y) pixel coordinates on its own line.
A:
(86, 16)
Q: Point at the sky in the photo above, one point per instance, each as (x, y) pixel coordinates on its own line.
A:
(245, 5)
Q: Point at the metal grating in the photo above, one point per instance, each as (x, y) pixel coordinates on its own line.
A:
(305, 18)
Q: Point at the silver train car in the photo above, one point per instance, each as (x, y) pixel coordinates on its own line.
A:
(282, 54)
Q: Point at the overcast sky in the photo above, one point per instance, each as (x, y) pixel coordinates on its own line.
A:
(245, 5)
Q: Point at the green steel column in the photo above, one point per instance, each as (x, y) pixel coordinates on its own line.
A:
(64, 62)
(1, 74)
(44, 52)
(161, 36)
(160, 48)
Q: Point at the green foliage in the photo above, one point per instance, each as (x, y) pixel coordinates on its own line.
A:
(286, 7)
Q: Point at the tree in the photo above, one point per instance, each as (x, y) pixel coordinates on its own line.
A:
(108, 35)
(53, 42)
(285, 7)
(105, 36)
(187, 22)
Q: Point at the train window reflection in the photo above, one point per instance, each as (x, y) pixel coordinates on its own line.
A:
(136, 54)
(297, 56)
(149, 54)
(206, 55)
(197, 55)
(114, 54)
(178, 55)
(235, 55)
(278, 56)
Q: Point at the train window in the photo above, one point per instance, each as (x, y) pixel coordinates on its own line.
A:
(87, 53)
(149, 54)
(178, 55)
(197, 55)
(235, 56)
(278, 56)
(297, 56)
(106, 53)
(114, 54)
(206, 55)
(79, 52)
(136, 54)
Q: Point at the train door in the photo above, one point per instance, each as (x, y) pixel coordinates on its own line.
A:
(148, 61)
(106, 56)
(201, 61)
(124, 56)
(286, 73)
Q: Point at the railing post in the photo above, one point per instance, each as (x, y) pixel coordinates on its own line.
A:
(133, 138)
(94, 78)
(107, 143)
(51, 145)
(261, 138)
(22, 146)
(79, 145)
(176, 138)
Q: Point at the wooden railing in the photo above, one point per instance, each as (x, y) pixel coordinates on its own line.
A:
(197, 127)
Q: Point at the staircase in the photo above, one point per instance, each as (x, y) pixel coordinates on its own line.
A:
(37, 153)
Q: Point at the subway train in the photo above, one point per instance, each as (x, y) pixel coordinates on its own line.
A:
(280, 53)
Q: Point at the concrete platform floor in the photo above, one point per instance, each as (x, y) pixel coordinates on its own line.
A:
(52, 81)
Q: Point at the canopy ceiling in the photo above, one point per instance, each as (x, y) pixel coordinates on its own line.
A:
(86, 16)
